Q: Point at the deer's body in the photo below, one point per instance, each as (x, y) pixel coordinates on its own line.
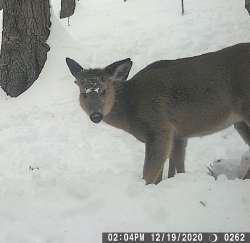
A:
(169, 101)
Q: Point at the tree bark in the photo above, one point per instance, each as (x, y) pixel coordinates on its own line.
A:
(24, 49)
(67, 8)
(247, 5)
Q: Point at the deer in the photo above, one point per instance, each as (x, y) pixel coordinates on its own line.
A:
(170, 101)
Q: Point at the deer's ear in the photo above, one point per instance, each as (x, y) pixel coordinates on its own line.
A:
(119, 71)
(74, 67)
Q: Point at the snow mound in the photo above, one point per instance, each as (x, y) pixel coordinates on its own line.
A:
(3, 95)
(227, 168)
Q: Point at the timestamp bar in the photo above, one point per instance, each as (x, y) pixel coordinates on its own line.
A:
(164, 237)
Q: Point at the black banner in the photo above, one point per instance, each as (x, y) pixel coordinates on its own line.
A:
(161, 237)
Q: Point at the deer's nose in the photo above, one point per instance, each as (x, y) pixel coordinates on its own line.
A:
(96, 117)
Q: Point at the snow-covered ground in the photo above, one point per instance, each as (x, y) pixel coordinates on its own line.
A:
(66, 180)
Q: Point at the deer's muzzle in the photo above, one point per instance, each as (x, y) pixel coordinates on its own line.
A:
(96, 117)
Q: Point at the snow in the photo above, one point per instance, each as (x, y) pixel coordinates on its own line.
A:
(64, 179)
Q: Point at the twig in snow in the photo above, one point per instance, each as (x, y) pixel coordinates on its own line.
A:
(33, 168)
(211, 172)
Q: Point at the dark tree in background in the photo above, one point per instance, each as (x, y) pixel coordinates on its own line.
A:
(67, 8)
(182, 7)
(247, 5)
(24, 49)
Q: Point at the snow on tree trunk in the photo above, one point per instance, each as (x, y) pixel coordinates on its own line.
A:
(67, 8)
(24, 49)
(247, 5)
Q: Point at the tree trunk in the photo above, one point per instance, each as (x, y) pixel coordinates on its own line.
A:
(67, 8)
(247, 5)
(182, 7)
(24, 50)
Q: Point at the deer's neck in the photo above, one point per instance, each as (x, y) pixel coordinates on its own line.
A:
(119, 117)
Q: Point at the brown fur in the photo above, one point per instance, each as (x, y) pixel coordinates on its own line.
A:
(169, 101)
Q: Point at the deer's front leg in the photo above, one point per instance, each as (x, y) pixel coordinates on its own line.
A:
(177, 157)
(158, 147)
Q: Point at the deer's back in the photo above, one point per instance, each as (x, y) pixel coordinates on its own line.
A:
(197, 94)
